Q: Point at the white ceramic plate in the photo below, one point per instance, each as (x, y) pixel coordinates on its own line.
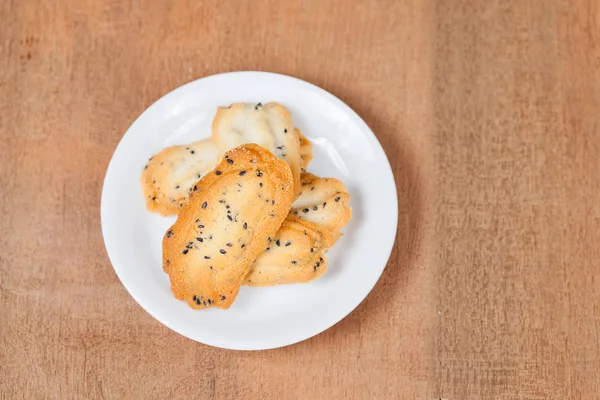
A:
(260, 318)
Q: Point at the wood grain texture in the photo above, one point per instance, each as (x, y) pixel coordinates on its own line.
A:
(488, 111)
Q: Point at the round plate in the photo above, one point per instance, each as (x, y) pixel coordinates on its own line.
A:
(261, 317)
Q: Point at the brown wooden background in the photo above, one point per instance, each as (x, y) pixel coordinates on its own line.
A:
(489, 113)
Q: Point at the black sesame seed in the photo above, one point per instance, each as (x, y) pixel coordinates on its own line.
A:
(154, 199)
(305, 210)
(200, 239)
(318, 264)
(283, 154)
(242, 173)
(150, 159)
(200, 226)
(295, 212)
(312, 188)
(204, 204)
(259, 173)
(253, 160)
(228, 245)
(169, 233)
(337, 199)
(197, 220)
(242, 246)
(207, 257)
(230, 161)
(217, 172)
(273, 202)
(260, 184)
(227, 206)
(223, 297)
(280, 147)
(146, 167)
(324, 204)
(209, 301)
(229, 217)
(194, 297)
(277, 242)
(294, 262)
(285, 131)
(259, 105)
(315, 208)
(185, 251)
(177, 187)
(192, 151)
(198, 301)
(222, 251)
(195, 188)
(198, 176)
(312, 249)
(287, 244)
(211, 267)
(245, 225)
(222, 201)
(271, 215)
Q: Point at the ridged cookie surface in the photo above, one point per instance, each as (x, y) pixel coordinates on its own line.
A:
(269, 126)
(226, 224)
(323, 201)
(170, 175)
(295, 255)
(306, 151)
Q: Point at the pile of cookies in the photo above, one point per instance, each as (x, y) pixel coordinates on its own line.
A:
(247, 211)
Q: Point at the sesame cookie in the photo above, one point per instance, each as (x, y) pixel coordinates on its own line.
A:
(269, 126)
(295, 255)
(237, 208)
(170, 175)
(306, 151)
(323, 201)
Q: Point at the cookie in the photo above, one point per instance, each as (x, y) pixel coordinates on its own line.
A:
(229, 220)
(295, 255)
(269, 126)
(170, 175)
(306, 151)
(323, 201)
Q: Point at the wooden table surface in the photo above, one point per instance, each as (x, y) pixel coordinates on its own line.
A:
(489, 112)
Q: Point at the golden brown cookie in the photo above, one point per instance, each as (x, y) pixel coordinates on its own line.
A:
(226, 224)
(170, 175)
(323, 201)
(295, 255)
(269, 126)
(306, 151)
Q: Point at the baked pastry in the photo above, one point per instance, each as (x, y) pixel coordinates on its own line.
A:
(323, 201)
(170, 175)
(306, 151)
(269, 126)
(295, 255)
(232, 215)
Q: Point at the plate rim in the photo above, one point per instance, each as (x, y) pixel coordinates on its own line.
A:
(337, 102)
